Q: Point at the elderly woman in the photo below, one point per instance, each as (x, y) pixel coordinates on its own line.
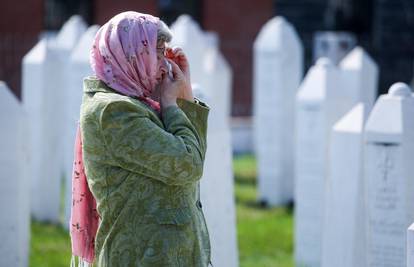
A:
(142, 142)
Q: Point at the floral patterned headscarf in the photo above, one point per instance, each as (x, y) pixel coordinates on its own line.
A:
(124, 57)
(124, 54)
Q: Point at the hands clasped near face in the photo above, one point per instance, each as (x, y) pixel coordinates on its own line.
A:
(178, 84)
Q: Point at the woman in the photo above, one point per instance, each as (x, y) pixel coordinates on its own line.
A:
(142, 158)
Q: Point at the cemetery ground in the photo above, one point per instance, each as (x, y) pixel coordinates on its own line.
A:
(265, 235)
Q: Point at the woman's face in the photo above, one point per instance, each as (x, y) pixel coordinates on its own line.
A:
(162, 67)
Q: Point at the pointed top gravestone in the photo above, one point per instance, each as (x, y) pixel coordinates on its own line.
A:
(360, 76)
(278, 70)
(188, 35)
(314, 86)
(275, 35)
(218, 82)
(319, 105)
(389, 168)
(37, 53)
(82, 49)
(15, 187)
(70, 32)
(353, 121)
(388, 108)
(344, 215)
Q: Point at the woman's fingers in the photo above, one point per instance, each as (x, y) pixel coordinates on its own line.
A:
(177, 72)
(177, 54)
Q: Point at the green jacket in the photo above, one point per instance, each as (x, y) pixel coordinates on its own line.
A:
(144, 173)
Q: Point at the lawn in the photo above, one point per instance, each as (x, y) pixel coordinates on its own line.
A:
(265, 235)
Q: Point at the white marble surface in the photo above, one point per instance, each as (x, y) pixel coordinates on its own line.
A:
(278, 70)
(389, 168)
(318, 106)
(45, 76)
(410, 246)
(15, 186)
(343, 242)
(79, 68)
(360, 77)
(188, 35)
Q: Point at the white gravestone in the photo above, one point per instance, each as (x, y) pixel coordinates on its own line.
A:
(324, 97)
(79, 68)
(37, 96)
(343, 228)
(62, 48)
(217, 185)
(410, 246)
(389, 180)
(194, 42)
(360, 76)
(213, 75)
(317, 103)
(45, 76)
(15, 187)
(278, 70)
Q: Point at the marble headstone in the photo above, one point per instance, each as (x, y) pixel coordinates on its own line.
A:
(343, 229)
(389, 181)
(15, 187)
(188, 35)
(360, 77)
(79, 68)
(318, 106)
(38, 100)
(45, 76)
(278, 70)
(217, 187)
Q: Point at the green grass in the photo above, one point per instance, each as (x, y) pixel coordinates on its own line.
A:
(265, 235)
(50, 246)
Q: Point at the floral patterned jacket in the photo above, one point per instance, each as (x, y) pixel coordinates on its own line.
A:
(144, 173)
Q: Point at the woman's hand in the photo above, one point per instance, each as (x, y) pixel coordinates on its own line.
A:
(172, 88)
(178, 57)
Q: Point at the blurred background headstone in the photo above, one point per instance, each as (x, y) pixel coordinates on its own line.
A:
(15, 186)
(278, 71)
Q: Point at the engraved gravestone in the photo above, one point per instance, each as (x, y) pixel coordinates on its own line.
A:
(278, 70)
(389, 181)
(343, 231)
(15, 187)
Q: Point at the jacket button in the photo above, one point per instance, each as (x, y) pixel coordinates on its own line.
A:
(199, 204)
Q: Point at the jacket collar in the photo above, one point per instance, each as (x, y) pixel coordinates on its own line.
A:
(92, 84)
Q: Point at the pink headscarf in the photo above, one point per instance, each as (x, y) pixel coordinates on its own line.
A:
(123, 56)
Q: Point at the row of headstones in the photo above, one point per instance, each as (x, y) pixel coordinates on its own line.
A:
(53, 72)
(353, 177)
